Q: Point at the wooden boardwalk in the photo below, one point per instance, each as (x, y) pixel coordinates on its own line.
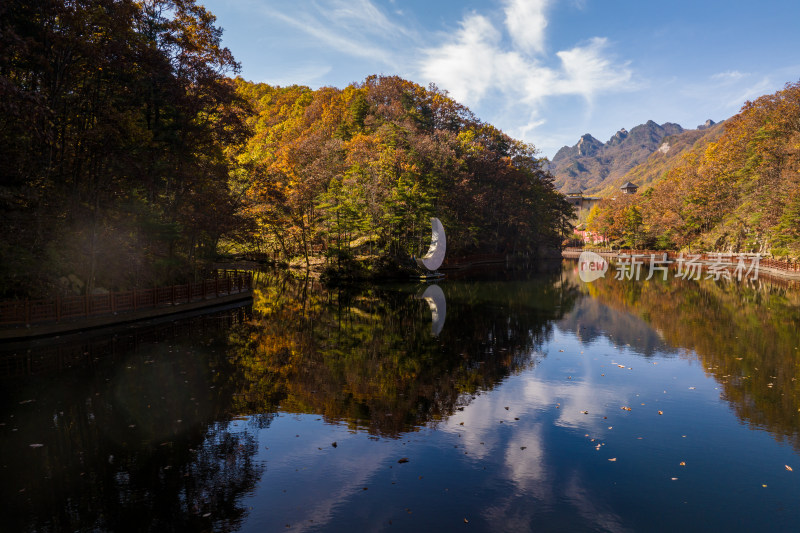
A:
(30, 318)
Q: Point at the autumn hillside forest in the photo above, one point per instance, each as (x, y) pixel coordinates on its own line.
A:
(733, 188)
(132, 156)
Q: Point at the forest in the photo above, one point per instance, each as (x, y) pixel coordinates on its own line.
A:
(134, 156)
(739, 193)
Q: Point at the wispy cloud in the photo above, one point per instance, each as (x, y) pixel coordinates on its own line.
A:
(498, 58)
(356, 28)
(474, 62)
(730, 75)
(526, 23)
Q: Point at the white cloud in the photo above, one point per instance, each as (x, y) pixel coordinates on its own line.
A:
(356, 28)
(730, 75)
(467, 65)
(526, 22)
(587, 71)
(473, 64)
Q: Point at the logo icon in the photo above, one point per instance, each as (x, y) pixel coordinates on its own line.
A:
(591, 267)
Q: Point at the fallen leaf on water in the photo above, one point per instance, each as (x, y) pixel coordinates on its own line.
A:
(467, 521)
(625, 408)
(691, 388)
(613, 459)
(585, 412)
(674, 479)
(789, 468)
(683, 463)
(661, 412)
(40, 445)
(403, 460)
(763, 485)
(522, 447)
(334, 444)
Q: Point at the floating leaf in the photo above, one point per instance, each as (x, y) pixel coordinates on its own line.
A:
(613, 459)
(789, 468)
(683, 463)
(403, 460)
(661, 412)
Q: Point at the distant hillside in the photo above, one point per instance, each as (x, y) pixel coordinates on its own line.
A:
(667, 156)
(737, 188)
(591, 165)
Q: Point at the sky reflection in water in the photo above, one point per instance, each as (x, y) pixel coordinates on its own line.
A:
(509, 419)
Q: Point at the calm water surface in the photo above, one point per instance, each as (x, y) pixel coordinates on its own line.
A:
(525, 401)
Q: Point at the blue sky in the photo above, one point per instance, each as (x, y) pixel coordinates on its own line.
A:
(544, 71)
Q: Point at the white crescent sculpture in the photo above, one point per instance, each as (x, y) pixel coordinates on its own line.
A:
(433, 259)
(434, 296)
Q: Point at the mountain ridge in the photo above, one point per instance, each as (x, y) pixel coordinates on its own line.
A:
(590, 165)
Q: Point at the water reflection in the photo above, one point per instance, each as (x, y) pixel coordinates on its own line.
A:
(125, 432)
(746, 336)
(436, 300)
(228, 421)
(366, 356)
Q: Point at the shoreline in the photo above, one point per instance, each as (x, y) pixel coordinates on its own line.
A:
(775, 273)
(27, 332)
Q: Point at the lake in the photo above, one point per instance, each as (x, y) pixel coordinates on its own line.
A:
(514, 400)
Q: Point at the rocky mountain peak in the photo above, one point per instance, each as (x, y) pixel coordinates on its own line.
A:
(705, 125)
(588, 145)
(590, 163)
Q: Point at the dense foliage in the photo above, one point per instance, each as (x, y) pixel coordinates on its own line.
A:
(129, 155)
(741, 194)
(362, 169)
(114, 117)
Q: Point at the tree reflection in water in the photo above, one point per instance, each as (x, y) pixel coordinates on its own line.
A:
(126, 431)
(157, 428)
(367, 355)
(135, 426)
(745, 334)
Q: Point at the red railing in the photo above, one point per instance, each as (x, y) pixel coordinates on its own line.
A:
(67, 307)
(787, 266)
